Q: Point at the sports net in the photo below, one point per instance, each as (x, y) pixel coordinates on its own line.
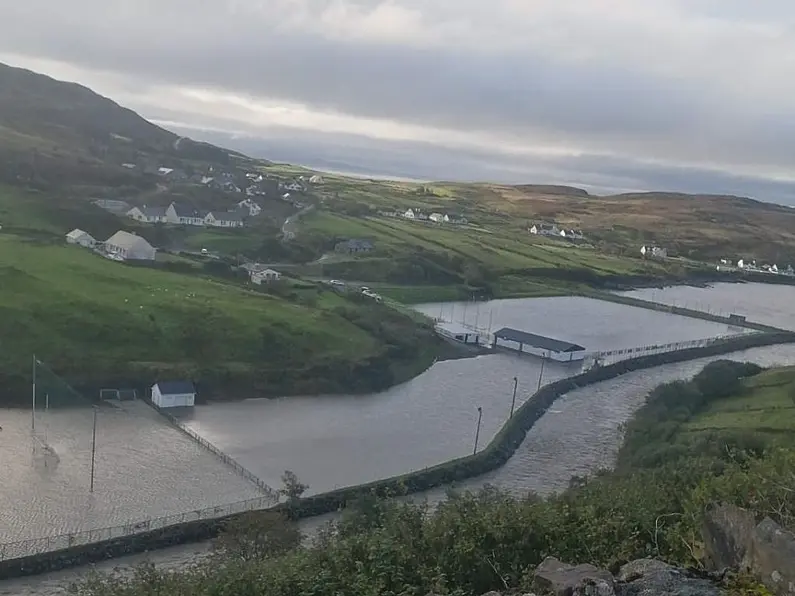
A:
(62, 417)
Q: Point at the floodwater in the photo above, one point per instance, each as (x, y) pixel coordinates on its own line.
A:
(768, 304)
(333, 441)
(338, 440)
(144, 468)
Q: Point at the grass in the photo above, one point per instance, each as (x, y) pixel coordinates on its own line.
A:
(766, 407)
(100, 321)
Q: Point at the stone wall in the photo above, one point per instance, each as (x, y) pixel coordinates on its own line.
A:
(499, 450)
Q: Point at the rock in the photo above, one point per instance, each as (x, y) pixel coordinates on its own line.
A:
(560, 579)
(727, 533)
(492, 594)
(733, 540)
(648, 577)
(773, 557)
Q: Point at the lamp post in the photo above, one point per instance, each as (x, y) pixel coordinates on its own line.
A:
(477, 431)
(513, 399)
(93, 448)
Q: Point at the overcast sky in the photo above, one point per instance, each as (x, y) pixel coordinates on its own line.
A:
(660, 94)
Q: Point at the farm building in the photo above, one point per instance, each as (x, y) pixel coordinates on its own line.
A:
(538, 345)
(457, 333)
(265, 276)
(173, 394)
(129, 246)
(80, 238)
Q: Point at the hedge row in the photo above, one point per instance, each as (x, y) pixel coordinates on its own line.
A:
(499, 450)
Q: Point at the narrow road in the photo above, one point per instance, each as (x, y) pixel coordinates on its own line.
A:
(289, 227)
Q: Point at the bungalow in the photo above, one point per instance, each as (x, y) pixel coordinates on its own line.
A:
(148, 214)
(459, 219)
(409, 214)
(572, 234)
(178, 213)
(173, 394)
(294, 186)
(438, 218)
(228, 219)
(316, 179)
(80, 238)
(545, 229)
(265, 275)
(164, 171)
(354, 246)
(129, 246)
(654, 251)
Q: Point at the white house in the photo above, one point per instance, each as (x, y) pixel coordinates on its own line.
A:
(545, 230)
(129, 246)
(316, 179)
(148, 214)
(438, 218)
(221, 219)
(266, 276)
(178, 213)
(129, 166)
(654, 251)
(80, 238)
(253, 208)
(409, 214)
(173, 394)
(164, 171)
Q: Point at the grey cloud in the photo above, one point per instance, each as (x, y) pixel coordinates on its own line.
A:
(531, 95)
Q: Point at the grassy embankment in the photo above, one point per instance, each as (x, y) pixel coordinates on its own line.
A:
(491, 541)
(101, 323)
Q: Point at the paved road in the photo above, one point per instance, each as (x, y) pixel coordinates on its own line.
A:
(289, 227)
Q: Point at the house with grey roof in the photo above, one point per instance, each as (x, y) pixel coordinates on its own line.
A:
(127, 246)
(180, 213)
(353, 246)
(148, 214)
(225, 219)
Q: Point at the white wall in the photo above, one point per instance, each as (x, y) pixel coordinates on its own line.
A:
(172, 400)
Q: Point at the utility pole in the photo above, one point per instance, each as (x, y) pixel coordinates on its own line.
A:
(93, 448)
(513, 399)
(33, 414)
(477, 432)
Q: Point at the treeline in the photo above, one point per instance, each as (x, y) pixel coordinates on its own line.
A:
(650, 438)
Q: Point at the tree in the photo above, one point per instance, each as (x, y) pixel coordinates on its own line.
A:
(292, 488)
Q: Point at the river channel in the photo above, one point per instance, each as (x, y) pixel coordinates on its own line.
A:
(432, 418)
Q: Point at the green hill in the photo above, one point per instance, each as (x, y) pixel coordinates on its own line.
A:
(100, 323)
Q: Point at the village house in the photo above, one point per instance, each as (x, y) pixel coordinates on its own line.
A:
(224, 219)
(316, 179)
(654, 252)
(457, 218)
(543, 229)
(130, 247)
(572, 234)
(265, 276)
(164, 171)
(294, 186)
(129, 166)
(438, 218)
(148, 214)
(409, 214)
(178, 213)
(173, 394)
(354, 246)
(80, 238)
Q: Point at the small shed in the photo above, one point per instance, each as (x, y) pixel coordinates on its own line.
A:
(173, 394)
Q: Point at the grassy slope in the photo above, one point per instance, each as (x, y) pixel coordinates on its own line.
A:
(99, 321)
(766, 408)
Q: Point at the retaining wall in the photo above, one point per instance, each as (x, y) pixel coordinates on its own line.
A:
(498, 451)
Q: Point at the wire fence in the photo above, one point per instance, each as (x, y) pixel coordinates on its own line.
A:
(24, 548)
(612, 356)
(227, 459)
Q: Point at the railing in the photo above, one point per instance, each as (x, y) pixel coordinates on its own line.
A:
(23, 548)
(227, 459)
(627, 353)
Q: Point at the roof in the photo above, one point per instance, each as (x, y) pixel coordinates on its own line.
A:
(154, 211)
(77, 233)
(538, 341)
(265, 272)
(127, 241)
(175, 387)
(183, 210)
(228, 215)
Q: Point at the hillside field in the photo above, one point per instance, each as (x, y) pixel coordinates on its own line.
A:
(99, 322)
